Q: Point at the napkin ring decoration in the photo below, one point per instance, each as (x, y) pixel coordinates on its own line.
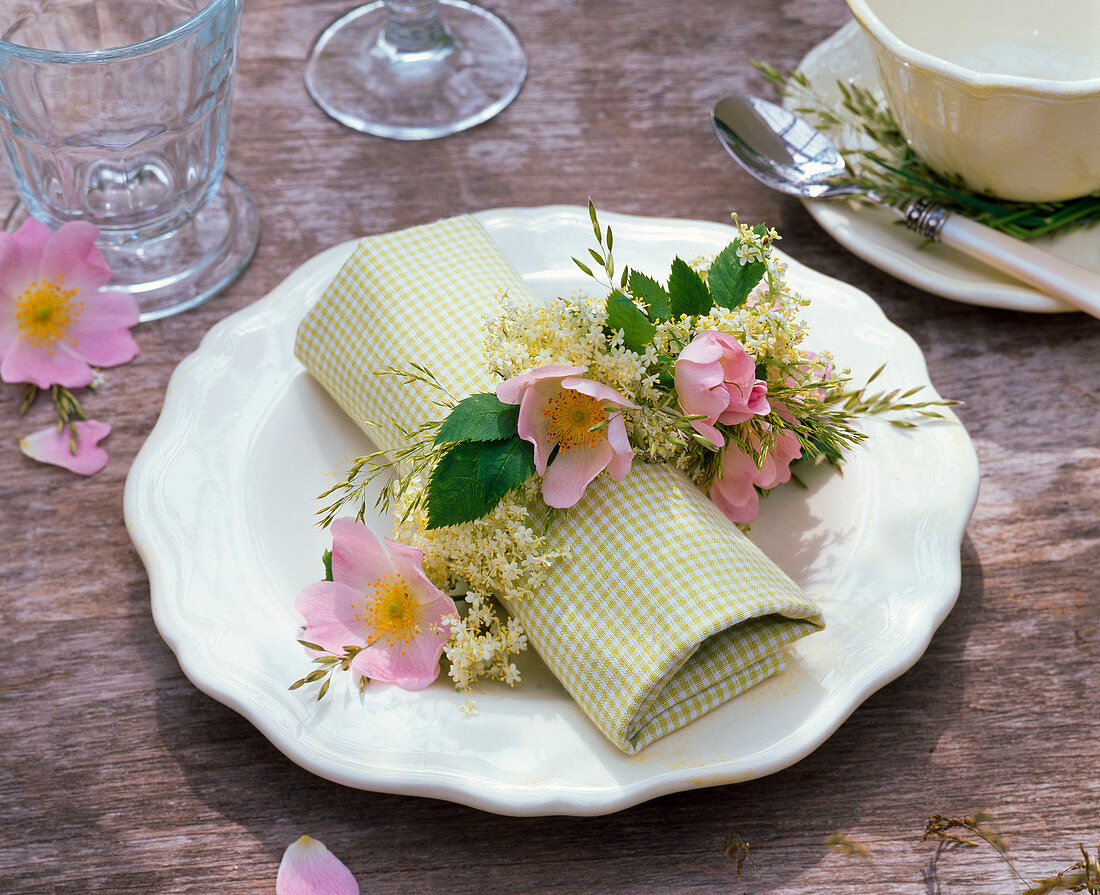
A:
(588, 463)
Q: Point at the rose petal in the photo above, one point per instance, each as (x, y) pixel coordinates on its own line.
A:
(412, 666)
(571, 472)
(109, 310)
(623, 457)
(32, 237)
(329, 610)
(358, 557)
(776, 468)
(52, 446)
(43, 365)
(19, 257)
(533, 426)
(102, 349)
(308, 868)
(732, 491)
(511, 391)
(597, 390)
(72, 254)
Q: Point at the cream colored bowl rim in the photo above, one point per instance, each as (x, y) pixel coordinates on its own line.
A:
(1043, 87)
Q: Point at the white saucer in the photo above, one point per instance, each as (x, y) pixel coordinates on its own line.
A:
(877, 237)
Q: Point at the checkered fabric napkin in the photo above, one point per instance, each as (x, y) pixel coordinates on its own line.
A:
(663, 609)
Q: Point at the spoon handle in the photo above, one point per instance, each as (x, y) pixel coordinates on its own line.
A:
(1048, 273)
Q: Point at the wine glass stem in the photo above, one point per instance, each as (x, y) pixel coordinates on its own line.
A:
(414, 27)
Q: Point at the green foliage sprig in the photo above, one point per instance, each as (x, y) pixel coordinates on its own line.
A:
(898, 174)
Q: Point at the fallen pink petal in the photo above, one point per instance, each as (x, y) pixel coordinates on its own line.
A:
(308, 868)
(53, 445)
(55, 323)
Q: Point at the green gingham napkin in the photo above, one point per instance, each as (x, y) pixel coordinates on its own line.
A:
(663, 609)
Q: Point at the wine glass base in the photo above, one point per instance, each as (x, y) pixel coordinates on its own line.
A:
(359, 79)
(181, 268)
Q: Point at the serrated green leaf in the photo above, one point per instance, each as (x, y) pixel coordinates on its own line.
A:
(502, 466)
(326, 558)
(687, 293)
(454, 494)
(623, 314)
(652, 293)
(471, 477)
(731, 281)
(480, 417)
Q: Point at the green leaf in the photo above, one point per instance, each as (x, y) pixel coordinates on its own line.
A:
(688, 294)
(652, 293)
(472, 477)
(480, 417)
(502, 466)
(731, 281)
(454, 493)
(623, 314)
(326, 558)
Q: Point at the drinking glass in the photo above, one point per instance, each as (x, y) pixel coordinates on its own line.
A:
(415, 69)
(116, 112)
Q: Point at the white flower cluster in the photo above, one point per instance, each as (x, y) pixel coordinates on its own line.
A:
(502, 555)
(568, 331)
(481, 645)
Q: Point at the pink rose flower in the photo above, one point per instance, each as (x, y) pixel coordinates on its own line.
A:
(308, 868)
(734, 489)
(716, 377)
(55, 324)
(558, 409)
(381, 601)
(52, 445)
(776, 468)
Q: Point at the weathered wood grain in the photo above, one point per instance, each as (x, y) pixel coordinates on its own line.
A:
(118, 776)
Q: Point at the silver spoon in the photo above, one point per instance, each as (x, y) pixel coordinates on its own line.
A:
(789, 154)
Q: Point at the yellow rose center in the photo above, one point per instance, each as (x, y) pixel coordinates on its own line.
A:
(45, 311)
(571, 417)
(390, 610)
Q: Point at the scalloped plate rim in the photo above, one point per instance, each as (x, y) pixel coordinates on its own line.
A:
(155, 545)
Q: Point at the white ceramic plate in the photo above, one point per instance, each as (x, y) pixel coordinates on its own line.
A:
(875, 235)
(220, 505)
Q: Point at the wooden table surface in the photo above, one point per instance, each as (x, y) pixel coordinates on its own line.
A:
(117, 775)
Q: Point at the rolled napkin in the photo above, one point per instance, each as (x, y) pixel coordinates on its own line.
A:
(662, 609)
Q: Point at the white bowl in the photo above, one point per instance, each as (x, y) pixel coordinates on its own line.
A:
(1002, 94)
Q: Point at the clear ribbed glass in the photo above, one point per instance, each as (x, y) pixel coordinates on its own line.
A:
(117, 113)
